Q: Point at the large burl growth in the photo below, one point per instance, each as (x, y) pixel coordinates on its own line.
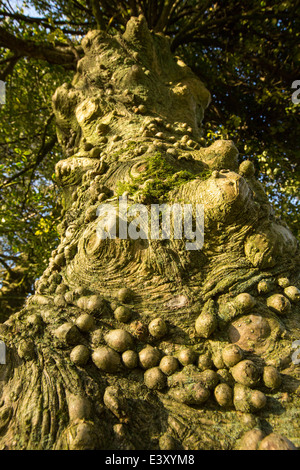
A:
(143, 344)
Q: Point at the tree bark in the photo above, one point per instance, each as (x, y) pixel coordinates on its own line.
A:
(141, 343)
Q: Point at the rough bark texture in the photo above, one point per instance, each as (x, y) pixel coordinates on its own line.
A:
(87, 368)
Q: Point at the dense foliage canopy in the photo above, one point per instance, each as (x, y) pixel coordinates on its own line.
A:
(246, 53)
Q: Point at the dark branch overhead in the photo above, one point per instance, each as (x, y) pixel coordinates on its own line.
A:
(60, 55)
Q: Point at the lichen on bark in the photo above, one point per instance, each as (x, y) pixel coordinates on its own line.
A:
(142, 344)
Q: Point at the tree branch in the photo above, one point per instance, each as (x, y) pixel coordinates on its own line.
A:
(97, 14)
(161, 23)
(53, 55)
(44, 149)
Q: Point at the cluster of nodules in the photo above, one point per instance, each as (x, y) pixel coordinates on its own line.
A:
(279, 302)
(189, 378)
(163, 136)
(116, 349)
(104, 135)
(90, 193)
(207, 321)
(129, 344)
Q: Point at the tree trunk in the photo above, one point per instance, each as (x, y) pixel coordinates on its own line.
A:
(142, 343)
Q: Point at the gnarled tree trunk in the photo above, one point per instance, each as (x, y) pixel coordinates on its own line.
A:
(17, 284)
(143, 344)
